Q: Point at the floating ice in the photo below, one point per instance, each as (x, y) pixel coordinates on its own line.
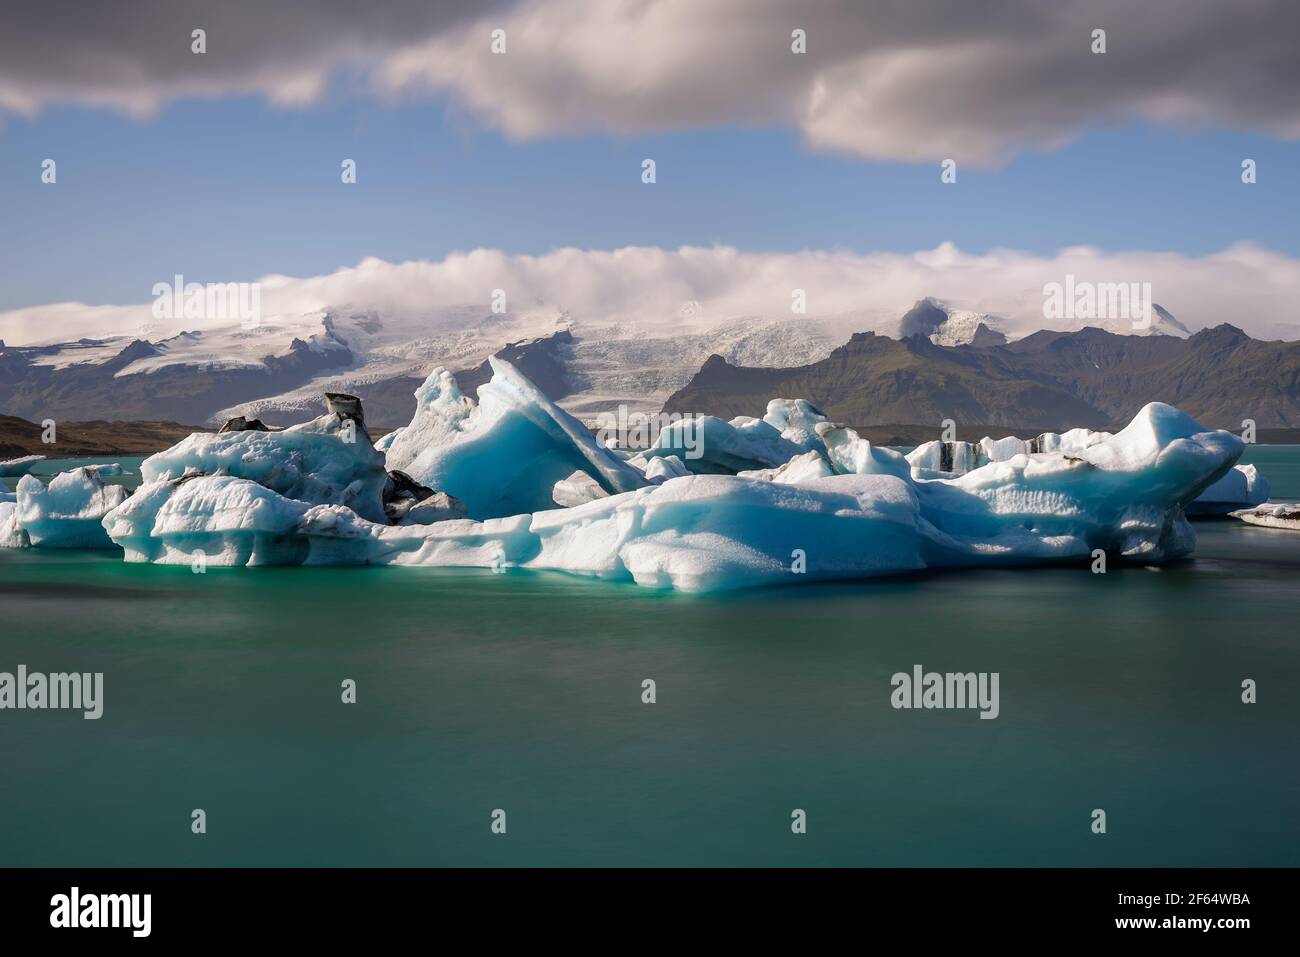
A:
(709, 532)
(578, 489)
(12, 468)
(68, 513)
(504, 455)
(11, 533)
(1124, 494)
(228, 520)
(1271, 515)
(852, 455)
(820, 502)
(799, 470)
(1242, 487)
(329, 460)
(709, 446)
(113, 470)
(663, 467)
(946, 458)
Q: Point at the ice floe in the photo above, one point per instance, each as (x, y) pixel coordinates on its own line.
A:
(69, 512)
(1240, 487)
(1270, 515)
(512, 481)
(505, 454)
(13, 468)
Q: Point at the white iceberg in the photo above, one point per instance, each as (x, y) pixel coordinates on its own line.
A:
(13, 468)
(820, 503)
(11, 533)
(1124, 494)
(578, 489)
(798, 471)
(1242, 487)
(329, 460)
(851, 454)
(712, 532)
(228, 520)
(505, 454)
(68, 513)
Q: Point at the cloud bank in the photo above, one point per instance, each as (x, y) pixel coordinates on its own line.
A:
(882, 80)
(666, 289)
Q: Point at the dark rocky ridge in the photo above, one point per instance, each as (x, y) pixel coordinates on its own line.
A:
(91, 390)
(1048, 381)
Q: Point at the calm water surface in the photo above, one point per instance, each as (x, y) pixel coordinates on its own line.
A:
(522, 691)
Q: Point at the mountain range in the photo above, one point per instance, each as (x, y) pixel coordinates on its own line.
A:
(1046, 381)
(936, 362)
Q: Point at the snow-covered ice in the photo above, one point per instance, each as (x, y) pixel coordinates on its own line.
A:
(329, 460)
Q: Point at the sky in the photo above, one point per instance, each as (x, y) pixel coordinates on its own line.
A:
(225, 165)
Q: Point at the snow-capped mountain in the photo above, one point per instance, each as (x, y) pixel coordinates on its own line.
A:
(276, 368)
(1162, 324)
(599, 365)
(945, 325)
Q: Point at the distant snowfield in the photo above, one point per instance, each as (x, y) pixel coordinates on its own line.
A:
(608, 364)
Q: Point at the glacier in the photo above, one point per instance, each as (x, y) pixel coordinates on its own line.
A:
(513, 481)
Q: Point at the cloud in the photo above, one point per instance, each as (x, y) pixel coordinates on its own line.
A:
(1250, 287)
(882, 80)
(136, 57)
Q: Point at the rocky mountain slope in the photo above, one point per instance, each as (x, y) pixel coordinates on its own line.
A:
(1046, 381)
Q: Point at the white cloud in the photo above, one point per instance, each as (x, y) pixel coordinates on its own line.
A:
(883, 80)
(1250, 287)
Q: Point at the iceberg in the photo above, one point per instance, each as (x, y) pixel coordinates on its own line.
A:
(68, 513)
(850, 454)
(815, 501)
(713, 532)
(800, 469)
(505, 454)
(227, 520)
(329, 460)
(1242, 487)
(13, 468)
(1124, 494)
(1270, 515)
(706, 445)
(11, 533)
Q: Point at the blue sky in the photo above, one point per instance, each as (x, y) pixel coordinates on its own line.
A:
(236, 188)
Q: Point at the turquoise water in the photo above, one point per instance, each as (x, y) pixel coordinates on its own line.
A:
(522, 691)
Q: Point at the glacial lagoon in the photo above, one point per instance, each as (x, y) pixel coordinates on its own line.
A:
(523, 691)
